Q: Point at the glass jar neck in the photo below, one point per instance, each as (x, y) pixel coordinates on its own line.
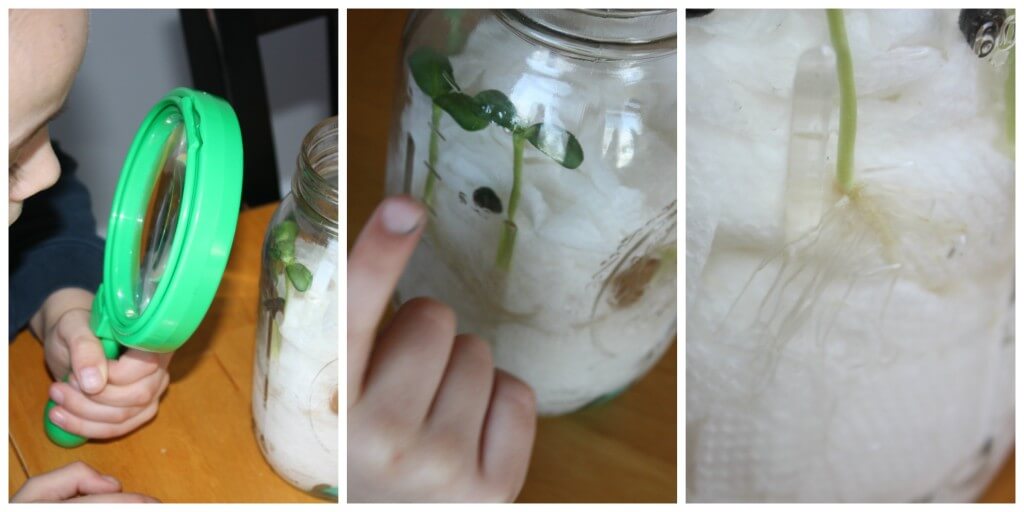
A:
(315, 184)
(598, 34)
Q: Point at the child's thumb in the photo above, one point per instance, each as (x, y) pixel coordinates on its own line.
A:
(87, 360)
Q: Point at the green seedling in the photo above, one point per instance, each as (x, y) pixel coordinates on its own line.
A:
(1011, 99)
(847, 100)
(282, 258)
(432, 72)
(1010, 91)
(282, 251)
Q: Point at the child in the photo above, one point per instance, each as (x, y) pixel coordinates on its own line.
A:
(55, 263)
(429, 417)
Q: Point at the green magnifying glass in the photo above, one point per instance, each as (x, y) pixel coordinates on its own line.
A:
(171, 226)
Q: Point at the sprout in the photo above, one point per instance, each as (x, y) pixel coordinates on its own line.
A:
(282, 252)
(433, 73)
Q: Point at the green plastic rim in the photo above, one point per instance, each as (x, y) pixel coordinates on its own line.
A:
(207, 216)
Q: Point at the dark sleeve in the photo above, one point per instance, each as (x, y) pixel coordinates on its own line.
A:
(53, 245)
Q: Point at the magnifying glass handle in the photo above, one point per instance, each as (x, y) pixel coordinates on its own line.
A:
(59, 436)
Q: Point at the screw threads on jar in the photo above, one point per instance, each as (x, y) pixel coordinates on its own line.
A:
(315, 184)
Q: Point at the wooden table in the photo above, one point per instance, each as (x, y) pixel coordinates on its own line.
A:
(622, 451)
(200, 447)
(1002, 489)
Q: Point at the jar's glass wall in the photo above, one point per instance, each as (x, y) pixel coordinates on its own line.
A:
(552, 222)
(295, 385)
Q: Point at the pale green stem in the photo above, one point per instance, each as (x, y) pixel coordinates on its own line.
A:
(275, 341)
(454, 34)
(1011, 94)
(508, 235)
(847, 100)
(1011, 100)
(428, 188)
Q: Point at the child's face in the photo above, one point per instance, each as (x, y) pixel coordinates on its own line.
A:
(46, 48)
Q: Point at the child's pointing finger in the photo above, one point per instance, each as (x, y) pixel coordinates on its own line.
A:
(374, 266)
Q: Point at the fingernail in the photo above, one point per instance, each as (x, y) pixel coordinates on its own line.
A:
(401, 217)
(57, 416)
(56, 395)
(91, 380)
(111, 479)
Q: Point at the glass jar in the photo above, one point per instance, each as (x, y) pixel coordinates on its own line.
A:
(544, 145)
(295, 378)
(848, 340)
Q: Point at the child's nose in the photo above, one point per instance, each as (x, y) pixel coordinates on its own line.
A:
(38, 168)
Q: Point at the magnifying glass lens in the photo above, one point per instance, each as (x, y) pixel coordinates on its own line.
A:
(162, 213)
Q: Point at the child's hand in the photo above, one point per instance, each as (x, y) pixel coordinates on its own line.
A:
(429, 418)
(102, 399)
(77, 483)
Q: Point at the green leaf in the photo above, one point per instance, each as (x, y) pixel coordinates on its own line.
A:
(463, 109)
(497, 108)
(282, 241)
(285, 250)
(432, 72)
(299, 275)
(557, 143)
(286, 230)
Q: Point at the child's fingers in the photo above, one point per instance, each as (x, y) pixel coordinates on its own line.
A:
(138, 393)
(100, 484)
(461, 402)
(66, 482)
(374, 265)
(408, 362)
(508, 433)
(82, 406)
(114, 498)
(97, 429)
(134, 365)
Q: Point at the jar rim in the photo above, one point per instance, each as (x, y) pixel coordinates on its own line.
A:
(597, 34)
(315, 184)
(624, 13)
(323, 130)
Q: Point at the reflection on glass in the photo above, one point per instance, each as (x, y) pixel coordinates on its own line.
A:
(622, 131)
(161, 215)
